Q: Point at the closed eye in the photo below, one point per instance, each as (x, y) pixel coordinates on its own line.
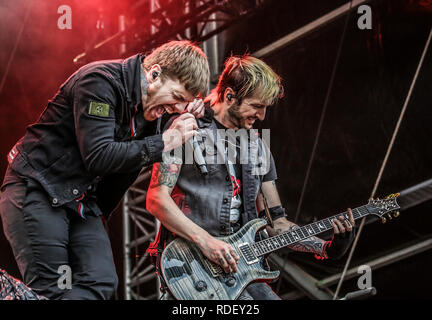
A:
(178, 98)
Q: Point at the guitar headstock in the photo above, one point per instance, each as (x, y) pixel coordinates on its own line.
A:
(385, 208)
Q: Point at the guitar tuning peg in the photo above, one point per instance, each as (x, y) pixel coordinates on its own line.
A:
(389, 216)
(383, 220)
(396, 214)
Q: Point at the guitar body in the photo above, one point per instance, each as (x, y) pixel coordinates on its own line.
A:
(189, 275)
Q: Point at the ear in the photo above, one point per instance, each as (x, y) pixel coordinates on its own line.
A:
(229, 96)
(154, 73)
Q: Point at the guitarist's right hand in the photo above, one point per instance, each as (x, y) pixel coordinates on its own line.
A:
(220, 252)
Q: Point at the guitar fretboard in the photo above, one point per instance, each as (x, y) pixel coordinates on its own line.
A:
(290, 237)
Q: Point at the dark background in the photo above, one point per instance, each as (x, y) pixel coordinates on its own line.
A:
(373, 75)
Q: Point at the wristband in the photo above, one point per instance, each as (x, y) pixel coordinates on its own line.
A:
(275, 212)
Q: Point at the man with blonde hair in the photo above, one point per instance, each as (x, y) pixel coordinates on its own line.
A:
(75, 163)
(200, 207)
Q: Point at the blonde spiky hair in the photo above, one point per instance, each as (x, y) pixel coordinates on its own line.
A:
(249, 76)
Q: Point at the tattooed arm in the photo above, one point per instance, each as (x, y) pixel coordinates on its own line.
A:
(163, 207)
(313, 244)
(281, 225)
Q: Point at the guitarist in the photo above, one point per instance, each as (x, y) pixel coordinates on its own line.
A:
(200, 207)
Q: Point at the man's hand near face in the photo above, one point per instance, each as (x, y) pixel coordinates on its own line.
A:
(196, 107)
(184, 127)
(181, 130)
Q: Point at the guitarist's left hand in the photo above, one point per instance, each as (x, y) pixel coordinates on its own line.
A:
(342, 238)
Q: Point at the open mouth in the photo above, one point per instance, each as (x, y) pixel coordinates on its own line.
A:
(251, 120)
(165, 108)
(161, 109)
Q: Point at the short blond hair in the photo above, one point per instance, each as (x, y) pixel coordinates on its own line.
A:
(247, 76)
(184, 61)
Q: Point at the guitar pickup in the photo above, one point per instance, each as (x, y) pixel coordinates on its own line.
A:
(215, 270)
(247, 253)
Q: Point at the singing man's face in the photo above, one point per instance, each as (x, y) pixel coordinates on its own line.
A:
(166, 95)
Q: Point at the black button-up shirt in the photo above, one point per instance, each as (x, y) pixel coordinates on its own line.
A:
(92, 133)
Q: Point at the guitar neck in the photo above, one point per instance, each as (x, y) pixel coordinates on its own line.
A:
(285, 239)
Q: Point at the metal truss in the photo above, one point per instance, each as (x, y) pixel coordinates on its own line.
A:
(154, 22)
(139, 229)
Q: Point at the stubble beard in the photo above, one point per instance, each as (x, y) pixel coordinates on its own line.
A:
(233, 116)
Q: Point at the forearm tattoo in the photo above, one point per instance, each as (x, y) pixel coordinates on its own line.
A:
(311, 244)
(165, 174)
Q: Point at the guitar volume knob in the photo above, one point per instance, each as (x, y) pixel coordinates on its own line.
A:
(200, 286)
(230, 281)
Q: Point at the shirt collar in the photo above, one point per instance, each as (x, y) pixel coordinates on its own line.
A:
(131, 69)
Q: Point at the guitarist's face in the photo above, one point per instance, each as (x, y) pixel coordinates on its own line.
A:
(245, 114)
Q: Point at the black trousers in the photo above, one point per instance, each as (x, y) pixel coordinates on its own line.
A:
(49, 242)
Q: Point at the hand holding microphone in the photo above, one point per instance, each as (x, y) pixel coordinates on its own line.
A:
(185, 127)
(181, 130)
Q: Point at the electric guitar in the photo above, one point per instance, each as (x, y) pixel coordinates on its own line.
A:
(189, 275)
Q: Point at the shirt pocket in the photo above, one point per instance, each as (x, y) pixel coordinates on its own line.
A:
(213, 159)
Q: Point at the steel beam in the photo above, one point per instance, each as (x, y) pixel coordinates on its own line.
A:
(379, 262)
(301, 279)
(305, 30)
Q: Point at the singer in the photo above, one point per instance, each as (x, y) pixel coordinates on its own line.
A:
(200, 207)
(75, 163)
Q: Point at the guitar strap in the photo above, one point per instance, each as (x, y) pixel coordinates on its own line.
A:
(269, 222)
(266, 210)
(160, 249)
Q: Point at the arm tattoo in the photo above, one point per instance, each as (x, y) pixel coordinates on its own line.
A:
(311, 244)
(165, 174)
